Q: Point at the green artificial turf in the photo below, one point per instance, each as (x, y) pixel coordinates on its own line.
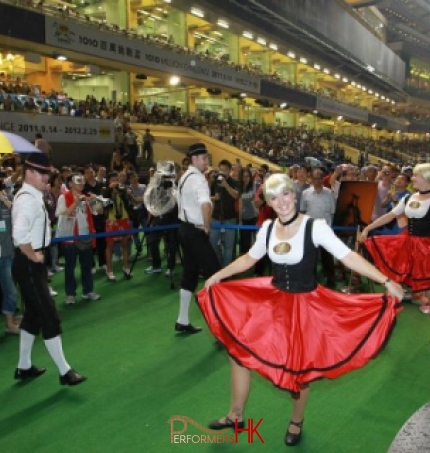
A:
(140, 373)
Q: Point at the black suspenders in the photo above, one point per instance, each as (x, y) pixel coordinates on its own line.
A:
(179, 190)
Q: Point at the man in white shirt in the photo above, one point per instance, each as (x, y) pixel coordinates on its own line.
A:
(318, 202)
(195, 213)
(32, 235)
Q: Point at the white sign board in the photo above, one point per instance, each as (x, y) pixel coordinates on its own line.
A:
(89, 40)
(58, 129)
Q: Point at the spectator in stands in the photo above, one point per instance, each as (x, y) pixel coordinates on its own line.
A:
(42, 144)
(116, 161)
(130, 143)
(30, 106)
(148, 142)
(119, 128)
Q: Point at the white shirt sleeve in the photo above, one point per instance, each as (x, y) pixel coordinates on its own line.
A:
(61, 205)
(202, 191)
(259, 249)
(400, 207)
(323, 235)
(22, 220)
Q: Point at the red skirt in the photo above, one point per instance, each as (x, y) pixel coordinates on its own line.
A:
(293, 339)
(403, 258)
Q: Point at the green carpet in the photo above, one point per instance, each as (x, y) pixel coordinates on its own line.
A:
(140, 374)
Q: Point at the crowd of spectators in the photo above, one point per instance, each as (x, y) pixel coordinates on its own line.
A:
(284, 146)
(167, 42)
(281, 145)
(401, 152)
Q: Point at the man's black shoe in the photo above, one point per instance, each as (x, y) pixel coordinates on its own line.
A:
(31, 373)
(72, 378)
(187, 328)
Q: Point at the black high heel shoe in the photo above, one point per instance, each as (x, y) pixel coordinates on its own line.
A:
(227, 423)
(292, 439)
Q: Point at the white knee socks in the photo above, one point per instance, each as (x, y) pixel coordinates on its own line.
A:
(184, 305)
(26, 341)
(55, 349)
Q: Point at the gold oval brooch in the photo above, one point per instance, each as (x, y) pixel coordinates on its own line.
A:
(282, 248)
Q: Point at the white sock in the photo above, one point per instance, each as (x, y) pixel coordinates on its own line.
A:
(26, 341)
(184, 305)
(55, 349)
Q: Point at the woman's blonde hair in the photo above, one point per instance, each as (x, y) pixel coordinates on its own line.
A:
(276, 184)
(423, 169)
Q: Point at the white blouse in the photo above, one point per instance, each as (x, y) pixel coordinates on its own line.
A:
(413, 213)
(322, 235)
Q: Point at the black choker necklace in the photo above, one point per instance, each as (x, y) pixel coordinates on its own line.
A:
(424, 192)
(289, 222)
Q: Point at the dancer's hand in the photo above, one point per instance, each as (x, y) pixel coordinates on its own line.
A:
(211, 280)
(363, 235)
(395, 289)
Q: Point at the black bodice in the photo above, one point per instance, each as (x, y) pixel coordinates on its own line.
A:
(419, 227)
(300, 277)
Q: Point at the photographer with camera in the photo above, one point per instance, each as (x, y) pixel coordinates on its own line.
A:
(224, 192)
(73, 206)
(161, 203)
(118, 219)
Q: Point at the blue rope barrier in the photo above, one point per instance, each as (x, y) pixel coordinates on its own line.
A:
(132, 231)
